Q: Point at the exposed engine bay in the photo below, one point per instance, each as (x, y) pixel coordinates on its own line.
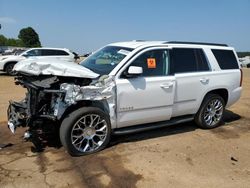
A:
(49, 98)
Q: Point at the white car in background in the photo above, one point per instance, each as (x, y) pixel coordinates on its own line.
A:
(59, 54)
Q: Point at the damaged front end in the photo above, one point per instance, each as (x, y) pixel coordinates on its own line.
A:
(50, 97)
(41, 101)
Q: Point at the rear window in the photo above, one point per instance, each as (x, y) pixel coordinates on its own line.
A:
(226, 59)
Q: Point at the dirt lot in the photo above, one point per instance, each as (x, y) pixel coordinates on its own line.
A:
(178, 156)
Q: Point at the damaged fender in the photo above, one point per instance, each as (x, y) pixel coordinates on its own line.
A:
(102, 90)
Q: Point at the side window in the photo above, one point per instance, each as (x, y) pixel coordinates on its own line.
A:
(153, 63)
(53, 52)
(226, 59)
(186, 60)
(61, 52)
(34, 52)
(202, 64)
(48, 52)
(183, 60)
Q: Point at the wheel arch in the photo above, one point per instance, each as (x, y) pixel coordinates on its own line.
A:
(215, 93)
(102, 104)
(7, 63)
(221, 92)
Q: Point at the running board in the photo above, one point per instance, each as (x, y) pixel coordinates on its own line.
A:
(151, 126)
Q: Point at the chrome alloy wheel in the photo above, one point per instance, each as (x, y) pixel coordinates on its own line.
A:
(213, 112)
(89, 133)
(9, 69)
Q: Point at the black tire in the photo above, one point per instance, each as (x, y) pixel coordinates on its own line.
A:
(202, 116)
(73, 120)
(9, 69)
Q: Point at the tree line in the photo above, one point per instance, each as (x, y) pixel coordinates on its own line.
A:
(27, 37)
(243, 54)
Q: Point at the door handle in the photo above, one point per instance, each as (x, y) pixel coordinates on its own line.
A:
(204, 80)
(167, 85)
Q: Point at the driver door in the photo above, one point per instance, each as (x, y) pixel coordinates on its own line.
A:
(148, 97)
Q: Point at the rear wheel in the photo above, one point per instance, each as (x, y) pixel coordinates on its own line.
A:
(85, 131)
(211, 112)
(9, 69)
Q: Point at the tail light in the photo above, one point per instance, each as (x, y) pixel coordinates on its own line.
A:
(241, 77)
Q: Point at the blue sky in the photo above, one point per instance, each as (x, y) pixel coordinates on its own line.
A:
(84, 26)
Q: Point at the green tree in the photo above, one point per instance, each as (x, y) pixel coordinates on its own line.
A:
(29, 37)
(14, 42)
(243, 54)
(10, 41)
(3, 40)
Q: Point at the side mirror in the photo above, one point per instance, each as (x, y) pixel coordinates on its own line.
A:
(134, 71)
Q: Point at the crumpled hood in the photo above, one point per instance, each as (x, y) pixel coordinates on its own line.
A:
(53, 67)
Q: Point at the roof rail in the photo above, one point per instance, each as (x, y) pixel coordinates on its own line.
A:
(139, 40)
(201, 43)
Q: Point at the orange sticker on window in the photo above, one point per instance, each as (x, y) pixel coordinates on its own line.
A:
(151, 63)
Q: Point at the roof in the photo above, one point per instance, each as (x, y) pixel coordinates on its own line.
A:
(139, 43)
(48, 48)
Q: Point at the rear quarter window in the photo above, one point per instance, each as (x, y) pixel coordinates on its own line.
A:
(226, 59)
(60, 52)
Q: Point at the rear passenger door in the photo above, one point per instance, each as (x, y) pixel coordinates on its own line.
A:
(192, 73)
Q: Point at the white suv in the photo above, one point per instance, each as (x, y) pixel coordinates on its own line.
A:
(127, 87)
(7, 62)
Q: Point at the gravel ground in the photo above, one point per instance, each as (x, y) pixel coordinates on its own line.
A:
(177, 156)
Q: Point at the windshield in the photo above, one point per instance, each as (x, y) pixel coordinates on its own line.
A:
(106, 59)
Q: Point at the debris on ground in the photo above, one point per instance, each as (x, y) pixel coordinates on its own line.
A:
(2, 146)
(234, 159)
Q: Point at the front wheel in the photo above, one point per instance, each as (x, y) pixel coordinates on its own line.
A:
(85, 131)
(211, 112)
(9, 69)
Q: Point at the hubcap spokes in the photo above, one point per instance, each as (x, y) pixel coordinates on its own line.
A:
(9, 69)
(213, 112)
(89, 133)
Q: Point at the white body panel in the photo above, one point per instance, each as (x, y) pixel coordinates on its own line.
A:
(10, 58)
(191, 90)
(144, 100)
(189, 87)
